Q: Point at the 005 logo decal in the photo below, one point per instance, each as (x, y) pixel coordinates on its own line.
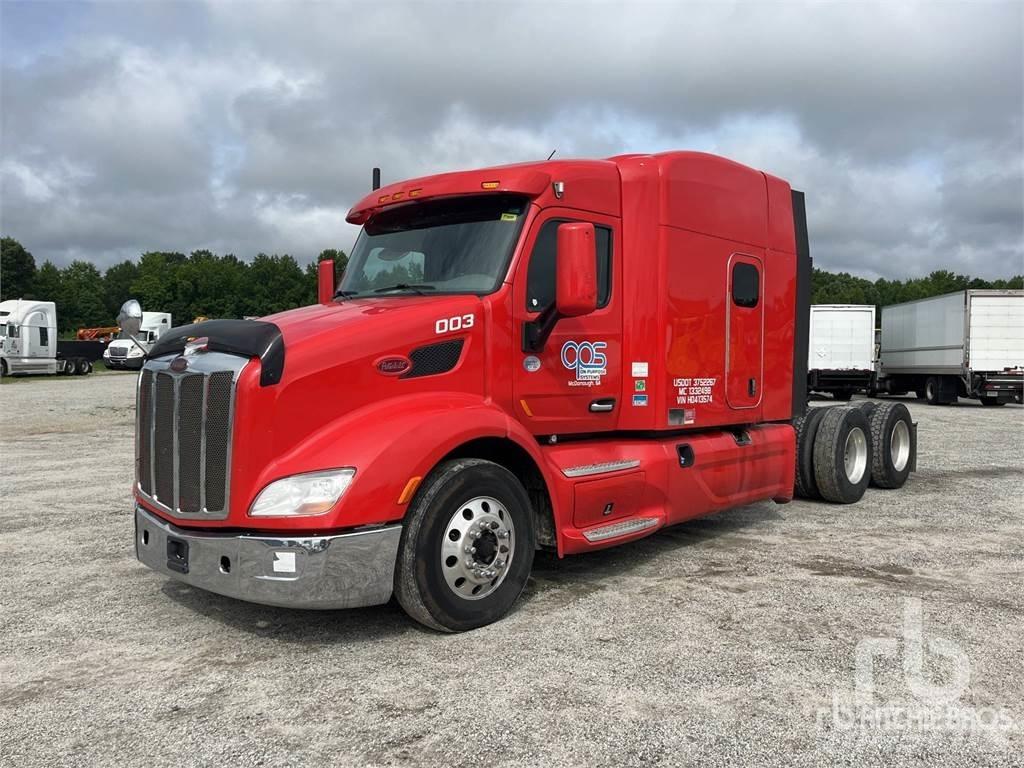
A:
(586, 360)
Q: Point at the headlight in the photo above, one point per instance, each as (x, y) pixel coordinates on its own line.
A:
(134, 351)
(310, 494)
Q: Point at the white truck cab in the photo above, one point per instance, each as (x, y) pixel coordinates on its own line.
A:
(29, 336)
(124, 353)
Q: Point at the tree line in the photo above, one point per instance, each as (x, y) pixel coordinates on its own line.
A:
(844, 288)
(203, 284)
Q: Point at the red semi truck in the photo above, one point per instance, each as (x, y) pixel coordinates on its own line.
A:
(565, 355)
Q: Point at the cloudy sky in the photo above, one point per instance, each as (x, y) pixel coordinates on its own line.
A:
(248, 127)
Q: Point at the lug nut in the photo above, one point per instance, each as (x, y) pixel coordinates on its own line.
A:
(502, 534)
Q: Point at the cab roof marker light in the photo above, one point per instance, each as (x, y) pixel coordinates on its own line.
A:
(490, 184)
(397, 196)
(415, 192)
(383, 198)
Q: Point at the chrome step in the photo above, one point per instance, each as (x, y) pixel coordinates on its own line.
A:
(612, 530)
(599, 469)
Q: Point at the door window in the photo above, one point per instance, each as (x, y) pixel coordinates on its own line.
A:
(540, 277)
(745, 285)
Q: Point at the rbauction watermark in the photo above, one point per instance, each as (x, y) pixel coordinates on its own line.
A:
(923, 703)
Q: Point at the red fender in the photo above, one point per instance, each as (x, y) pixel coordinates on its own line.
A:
(389, 443)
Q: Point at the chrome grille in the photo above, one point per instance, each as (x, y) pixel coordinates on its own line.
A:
(183, 434)
(119, 351)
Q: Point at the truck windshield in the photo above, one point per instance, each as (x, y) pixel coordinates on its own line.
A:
(456, 245)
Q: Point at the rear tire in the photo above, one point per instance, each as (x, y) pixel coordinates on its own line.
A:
(806, 427)
(842, 455)
(82, 367)
(892, 443)
(463, 504)
(3, 368)
(933, 390)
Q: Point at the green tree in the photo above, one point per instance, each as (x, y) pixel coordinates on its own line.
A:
(156, 285)
(47, 283)
(80, 303)
(17, 270)
(273, 284)
(117, 286)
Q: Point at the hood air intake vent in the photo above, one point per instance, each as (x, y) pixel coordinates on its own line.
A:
(434, 358)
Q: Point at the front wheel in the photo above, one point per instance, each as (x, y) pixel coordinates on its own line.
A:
(467, 546)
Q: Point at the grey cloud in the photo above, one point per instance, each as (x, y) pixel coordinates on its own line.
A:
(257, 131)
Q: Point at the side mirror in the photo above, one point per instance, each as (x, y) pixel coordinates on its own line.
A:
(576, 270)
(130, 318)
(325, 281)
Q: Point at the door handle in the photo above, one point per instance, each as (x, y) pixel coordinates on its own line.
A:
(602, 406)
(752, 387)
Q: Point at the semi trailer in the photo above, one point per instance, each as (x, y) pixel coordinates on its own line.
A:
(966, 344)
(29, 343)
(841, 355)
(565, 355)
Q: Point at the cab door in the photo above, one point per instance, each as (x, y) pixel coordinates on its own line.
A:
(744, 332)
(573, 384)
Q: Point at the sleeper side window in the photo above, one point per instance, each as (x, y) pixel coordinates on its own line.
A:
(540, 276)
(44, 336)
(746, 285)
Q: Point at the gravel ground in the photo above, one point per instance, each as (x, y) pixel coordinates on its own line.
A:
(723, 641)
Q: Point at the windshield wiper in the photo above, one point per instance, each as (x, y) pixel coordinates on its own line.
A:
(414, 287)
(345, 294)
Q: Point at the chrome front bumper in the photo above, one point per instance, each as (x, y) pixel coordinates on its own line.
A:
(345, 570)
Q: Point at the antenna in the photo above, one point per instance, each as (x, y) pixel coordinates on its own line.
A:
(552, 153)
(376, 178)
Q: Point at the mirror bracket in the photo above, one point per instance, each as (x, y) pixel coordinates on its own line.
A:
(536, 332)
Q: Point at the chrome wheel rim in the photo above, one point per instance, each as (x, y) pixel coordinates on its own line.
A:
(477, 548)
(855, 456)
(899, 445)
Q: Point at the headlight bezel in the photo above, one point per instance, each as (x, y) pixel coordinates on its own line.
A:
(298, 495)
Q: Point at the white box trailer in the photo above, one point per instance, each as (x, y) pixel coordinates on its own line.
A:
(841, 349)
(964, 344)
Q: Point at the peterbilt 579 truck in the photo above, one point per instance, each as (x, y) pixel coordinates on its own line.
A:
(565, 355)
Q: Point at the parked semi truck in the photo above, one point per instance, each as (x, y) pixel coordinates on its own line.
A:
(841, 355)
(966, 344)
(29, 343)
(128, 353)
(565, 355)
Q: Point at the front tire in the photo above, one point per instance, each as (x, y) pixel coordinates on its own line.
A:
(467, 546)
